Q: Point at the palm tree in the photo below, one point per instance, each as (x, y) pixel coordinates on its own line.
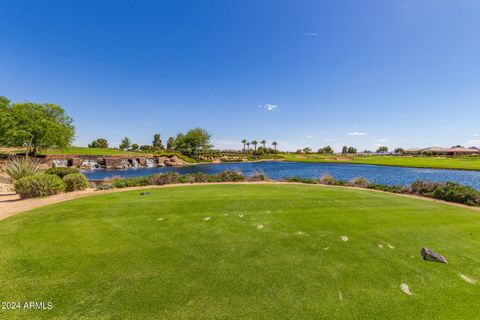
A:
(275, 144)
(263, 142)
(248, 145)
(244, 141)
(254, 143)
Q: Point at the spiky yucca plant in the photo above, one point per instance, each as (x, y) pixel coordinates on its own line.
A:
(19, 167)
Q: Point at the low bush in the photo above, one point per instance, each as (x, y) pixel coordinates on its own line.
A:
(425, 188)
(105, 186)
(62, 171)
(164, 178)
(359, 182)
(132, 182)
(20, 167)
(230, 176)
(75, 181)
(258, 177)
(382, 187)
(328, 179)
(39, 185)
(454, 192)
(301, 180)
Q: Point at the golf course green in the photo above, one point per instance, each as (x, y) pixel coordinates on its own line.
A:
(259, 251)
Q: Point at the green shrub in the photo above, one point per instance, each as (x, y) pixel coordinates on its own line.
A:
(425, 188)
(359, 182)
(39, 185)
(301, 180)
(105, 186)
(258, 177)
(382, 187)
(62, 171)
(75, 181)
(186, 178)
(454, 192)
(230, 176)
(328, 179)
(164, 178)
(20, 167)
(132, 182)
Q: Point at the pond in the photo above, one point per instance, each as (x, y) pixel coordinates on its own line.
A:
(279, 170)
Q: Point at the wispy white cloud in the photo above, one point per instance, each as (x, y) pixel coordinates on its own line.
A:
(381, 140)
(309, 137)
(268, 106)
(310, 34)
(476, 135)
(357, 133)
(473, 143)
(330, 140)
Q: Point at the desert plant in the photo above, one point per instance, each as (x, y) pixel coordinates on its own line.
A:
(454, 192)
(75, 181)
(382, 187)
(359, 182)
(230, 176)
(132, 182)
(20, 167)
(328, 179)
(164, 178)
(39, 185)
(425, 188)
(105, 186)
(301, 180)
(258, 177)
(62, 171)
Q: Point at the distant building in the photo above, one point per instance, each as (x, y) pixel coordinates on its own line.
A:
(458, 151)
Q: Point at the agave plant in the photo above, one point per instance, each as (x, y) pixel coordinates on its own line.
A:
(19, 167)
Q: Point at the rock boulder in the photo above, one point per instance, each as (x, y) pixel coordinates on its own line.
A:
(429, 255)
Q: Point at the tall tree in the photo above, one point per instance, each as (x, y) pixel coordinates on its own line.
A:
(275, 144)
(344, 150)
(100, 143)
(34, 126)
(194, 140)
(244, 141)
(157, 142)
(135, 147)
(248, 145)
(307, 150)
(382, 149)
(254, 144)
(126, 143)
(263, 143)
(171, 144)
(399, 150)
(327, 150)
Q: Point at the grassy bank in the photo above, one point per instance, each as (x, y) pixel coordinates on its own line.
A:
(241, 251)
(463, 163)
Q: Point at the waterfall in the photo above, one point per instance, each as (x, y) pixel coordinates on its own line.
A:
(126, 163)
(90, 164)
(150, 163)
(60, 163)
(134, 163)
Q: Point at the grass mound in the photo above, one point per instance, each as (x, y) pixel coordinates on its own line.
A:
(242, 251)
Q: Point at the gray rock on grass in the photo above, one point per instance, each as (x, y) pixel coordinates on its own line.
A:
(429, 255)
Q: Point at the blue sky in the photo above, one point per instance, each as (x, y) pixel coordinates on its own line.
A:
(303, 73)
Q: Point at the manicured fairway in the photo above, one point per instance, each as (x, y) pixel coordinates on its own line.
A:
(241, 252)
(463, 163)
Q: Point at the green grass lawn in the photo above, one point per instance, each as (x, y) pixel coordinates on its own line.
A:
(466, 163)
(109, 256)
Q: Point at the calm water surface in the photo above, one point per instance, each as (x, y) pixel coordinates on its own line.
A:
(278, 170)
